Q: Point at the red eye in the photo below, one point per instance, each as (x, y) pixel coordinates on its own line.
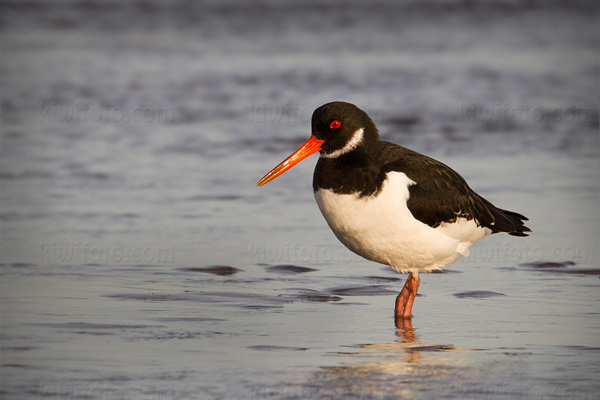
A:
(335, 124)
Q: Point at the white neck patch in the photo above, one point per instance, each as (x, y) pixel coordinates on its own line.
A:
(355, 140)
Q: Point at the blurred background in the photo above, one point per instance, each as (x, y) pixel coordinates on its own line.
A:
(132, 137)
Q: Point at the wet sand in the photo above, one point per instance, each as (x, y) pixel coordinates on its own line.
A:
(162, 331)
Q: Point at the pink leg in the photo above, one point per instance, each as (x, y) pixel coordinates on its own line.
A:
(406, 298)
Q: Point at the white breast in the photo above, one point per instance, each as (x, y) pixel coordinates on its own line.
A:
(382, 229)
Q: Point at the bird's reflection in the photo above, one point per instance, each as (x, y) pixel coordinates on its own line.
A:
(407, 335)
(405, 331)
(400, 368)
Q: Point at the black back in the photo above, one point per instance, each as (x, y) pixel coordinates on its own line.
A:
(439, 195)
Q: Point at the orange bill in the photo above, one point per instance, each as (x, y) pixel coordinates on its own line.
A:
(311, 146)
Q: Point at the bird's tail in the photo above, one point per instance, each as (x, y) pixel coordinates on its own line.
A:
(509, 222)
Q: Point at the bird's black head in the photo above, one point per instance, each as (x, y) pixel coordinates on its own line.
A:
(338, 128)
(342, 127)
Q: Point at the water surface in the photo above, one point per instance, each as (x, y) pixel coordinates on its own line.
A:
(139, 259)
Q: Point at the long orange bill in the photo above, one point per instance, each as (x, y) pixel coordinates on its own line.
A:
(311, 146)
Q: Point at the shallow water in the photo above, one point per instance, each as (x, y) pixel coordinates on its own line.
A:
(139, 259)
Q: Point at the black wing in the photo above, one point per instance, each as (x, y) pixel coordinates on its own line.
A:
(442, 195)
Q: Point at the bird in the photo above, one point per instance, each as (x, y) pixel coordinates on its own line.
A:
(390, 204)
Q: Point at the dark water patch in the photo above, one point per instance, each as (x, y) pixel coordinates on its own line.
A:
(311, 295)
(548, 264)
(478, 294)
(16, 216)
(18, 348)
(112, 378)
(20, 366)
(433, 347)
(21, 265)
(578, 271)
(582, 348)
(259, 307)
(446, 271)
(128, 267)
(205, 297)
(379, 278)
(173, 335)
(277, 348)
(517, 354)
(94, 333)
(369, 290)
(156, 296)
(187, 319)
(249, 281)
(290, 269)
(507, 268)
(405, 122)
(85, 325)
(10, 133)
(221, 270)
(91, 175)
(560, 268)
(10, 176)
(455, 135)
(129, 215)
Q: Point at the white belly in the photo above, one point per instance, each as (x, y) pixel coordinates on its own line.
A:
(382, 228)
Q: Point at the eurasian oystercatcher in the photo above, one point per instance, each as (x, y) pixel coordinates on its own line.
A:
(390, 204)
